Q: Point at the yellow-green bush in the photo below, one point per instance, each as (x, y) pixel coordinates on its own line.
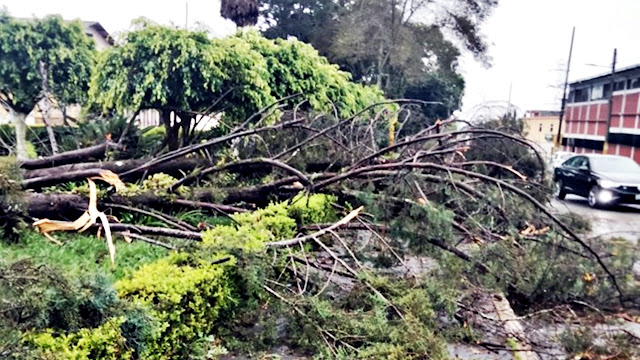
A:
(313, 209)
(102, 343)
(185, 296)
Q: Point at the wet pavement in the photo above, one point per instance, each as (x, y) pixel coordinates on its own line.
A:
(619, 221)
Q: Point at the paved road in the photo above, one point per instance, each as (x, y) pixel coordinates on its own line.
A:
(622, 221)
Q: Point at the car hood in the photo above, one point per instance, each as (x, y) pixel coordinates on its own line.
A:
(620, 177)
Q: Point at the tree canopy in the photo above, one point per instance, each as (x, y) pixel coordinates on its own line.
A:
(62, 47)
(160, 67)
(41, 58)
(399, 45)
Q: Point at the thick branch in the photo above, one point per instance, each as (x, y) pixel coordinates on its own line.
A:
(39, 178)
(95, 152)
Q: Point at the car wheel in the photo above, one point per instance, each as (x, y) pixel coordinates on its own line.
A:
(560, 191)
(593, 196)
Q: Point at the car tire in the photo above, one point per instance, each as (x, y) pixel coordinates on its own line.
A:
(560, 191)
(592, 198)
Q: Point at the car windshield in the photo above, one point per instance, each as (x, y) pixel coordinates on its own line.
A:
(614, 164)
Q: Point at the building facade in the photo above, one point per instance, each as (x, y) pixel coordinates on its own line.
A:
(604, 108)
(541, 127)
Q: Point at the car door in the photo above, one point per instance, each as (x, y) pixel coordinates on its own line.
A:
(567, 173)
(582, 177)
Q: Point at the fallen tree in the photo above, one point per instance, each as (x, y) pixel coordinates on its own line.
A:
(418, 197)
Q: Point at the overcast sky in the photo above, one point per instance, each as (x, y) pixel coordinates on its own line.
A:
(529, 39)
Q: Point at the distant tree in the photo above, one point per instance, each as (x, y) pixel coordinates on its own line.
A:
(398, 45)
(241, 12)
(187, 73)
(38, 58)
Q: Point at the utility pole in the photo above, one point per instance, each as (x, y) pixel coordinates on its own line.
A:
(612, 84)
(509, 101)
(186, 16)
(564, 92)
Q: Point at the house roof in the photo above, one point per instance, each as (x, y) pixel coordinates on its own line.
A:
(620, 71)
(100, 29)
(87, 24)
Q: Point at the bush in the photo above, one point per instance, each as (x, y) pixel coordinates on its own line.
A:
(184, 295)
(313, 209)
(105, 342)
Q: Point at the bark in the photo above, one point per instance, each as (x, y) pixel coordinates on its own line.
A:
(21, 135)
(45, 109)
(172, 139)
(70, 206)
(95, 152)
(35, 179)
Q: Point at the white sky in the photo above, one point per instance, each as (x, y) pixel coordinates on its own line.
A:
(529, 39)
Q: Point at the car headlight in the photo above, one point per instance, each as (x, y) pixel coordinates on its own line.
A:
(607, 184)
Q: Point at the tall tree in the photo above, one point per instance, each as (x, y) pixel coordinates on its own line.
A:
(241, 12)
(400, 45)
(38, 58)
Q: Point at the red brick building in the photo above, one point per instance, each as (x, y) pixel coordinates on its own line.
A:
(587, 112)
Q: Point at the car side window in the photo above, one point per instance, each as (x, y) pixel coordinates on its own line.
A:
(571, 162)
(582, 161)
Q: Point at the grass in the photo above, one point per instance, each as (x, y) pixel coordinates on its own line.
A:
(81, 253)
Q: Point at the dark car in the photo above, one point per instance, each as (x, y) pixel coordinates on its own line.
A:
(605, 180)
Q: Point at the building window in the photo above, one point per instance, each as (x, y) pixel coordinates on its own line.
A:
(633, 83)
(619, 85)
(582, 95)
(540, 128)
(606, 93)
(598, 91)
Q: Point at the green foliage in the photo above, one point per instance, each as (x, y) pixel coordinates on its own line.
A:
(582, 342)
(372, 328)
(295, 67)
(382, 43)
(61, 47)
(81, 254)
(163, 68)
(105, 342)
(157, 67)
(541, 274)
(252, 230)
(36, 297)
(312, 209)
(156, 184)
(185, 296)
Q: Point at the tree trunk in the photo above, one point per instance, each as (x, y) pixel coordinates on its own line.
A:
(45, 108)
(173, 139)
(21, 135)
